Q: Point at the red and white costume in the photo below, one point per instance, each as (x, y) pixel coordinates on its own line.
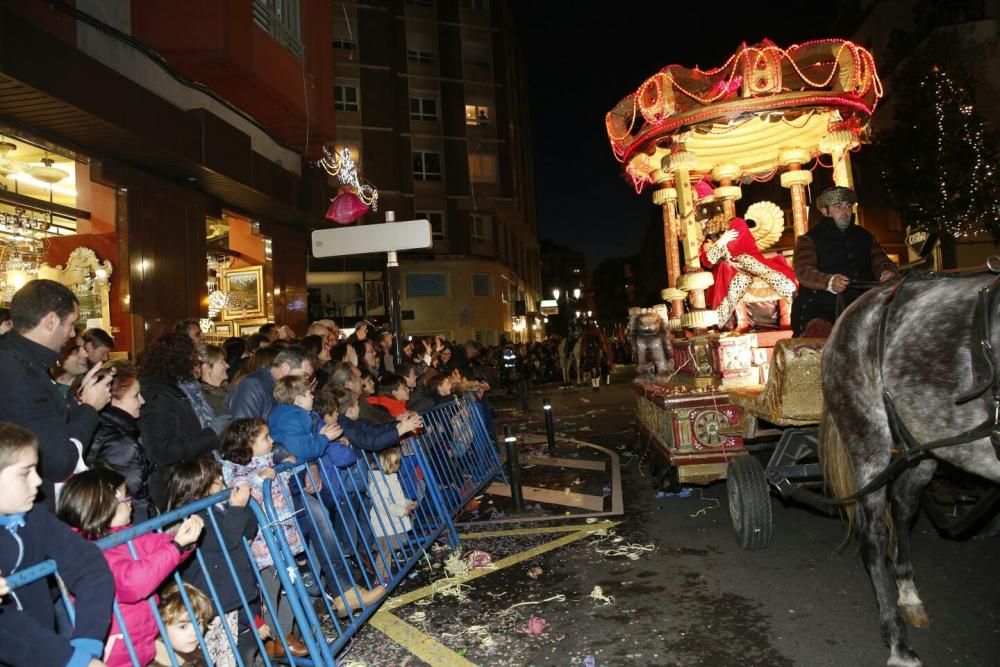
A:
(734, 267)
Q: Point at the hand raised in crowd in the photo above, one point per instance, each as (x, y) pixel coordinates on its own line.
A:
(189, 531)
(331, 431)
(361, 331)
(266, 473)
(412, 506)
(411, 422)
(240, 495)
(96, 392)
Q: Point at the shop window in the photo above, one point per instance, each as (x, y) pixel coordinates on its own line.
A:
(345, 97)
(436, 218)
(423, 107)
(482, 284)
(426, 166)
(477, 114)
(482, 227)
(483, 167)
(426, 284)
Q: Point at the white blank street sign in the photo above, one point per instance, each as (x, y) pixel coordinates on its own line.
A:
(364, 239)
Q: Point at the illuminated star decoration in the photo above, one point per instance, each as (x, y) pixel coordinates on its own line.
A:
(355, 198)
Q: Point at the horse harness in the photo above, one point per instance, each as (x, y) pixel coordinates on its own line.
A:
(985, 378)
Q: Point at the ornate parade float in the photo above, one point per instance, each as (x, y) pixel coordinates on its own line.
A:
(695, 138)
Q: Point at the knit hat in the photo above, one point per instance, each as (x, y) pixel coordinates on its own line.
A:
(836, 195)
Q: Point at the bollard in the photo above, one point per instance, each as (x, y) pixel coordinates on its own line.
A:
(550, 433)
(514, 470)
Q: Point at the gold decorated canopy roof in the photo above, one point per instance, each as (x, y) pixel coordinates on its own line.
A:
(762, 102)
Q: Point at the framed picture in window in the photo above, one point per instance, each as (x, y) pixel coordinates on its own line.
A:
(246, 288)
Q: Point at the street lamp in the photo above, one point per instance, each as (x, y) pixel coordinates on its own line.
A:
(576, 293)
(556, 293)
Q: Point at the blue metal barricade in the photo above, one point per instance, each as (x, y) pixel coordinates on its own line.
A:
(226, 648)
(459, 451)
(364, 527)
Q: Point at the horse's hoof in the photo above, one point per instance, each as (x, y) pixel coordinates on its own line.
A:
(915, 615)
(903, 656)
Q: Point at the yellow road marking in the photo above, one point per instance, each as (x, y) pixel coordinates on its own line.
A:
(580, 464)
(537, 531)
(416, 642)
(565, 497)
(429, 590)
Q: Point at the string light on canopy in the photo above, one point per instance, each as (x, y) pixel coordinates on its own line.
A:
(355, 198)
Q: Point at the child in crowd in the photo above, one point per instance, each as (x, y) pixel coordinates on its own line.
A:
(392, 393)
(197, 479)
(391, 509)
(372, 437)
(29, 534)
(440, 388)
(96, 503)
(247, 457)
(181, 626)
(306, 435)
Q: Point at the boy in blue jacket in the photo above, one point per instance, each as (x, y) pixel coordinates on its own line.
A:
(28, 536)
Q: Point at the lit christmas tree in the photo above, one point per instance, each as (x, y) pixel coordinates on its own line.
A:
(939, 160)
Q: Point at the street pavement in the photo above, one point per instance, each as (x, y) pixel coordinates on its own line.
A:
(616, 575)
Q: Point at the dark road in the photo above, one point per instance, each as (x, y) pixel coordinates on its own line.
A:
(673, 586)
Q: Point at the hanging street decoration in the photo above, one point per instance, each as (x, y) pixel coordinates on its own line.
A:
(355, 198)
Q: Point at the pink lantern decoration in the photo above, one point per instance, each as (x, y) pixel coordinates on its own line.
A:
(345, 208)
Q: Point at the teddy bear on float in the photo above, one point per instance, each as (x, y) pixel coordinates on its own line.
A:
(731, 253)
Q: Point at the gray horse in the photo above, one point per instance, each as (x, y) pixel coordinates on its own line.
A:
(926, 363)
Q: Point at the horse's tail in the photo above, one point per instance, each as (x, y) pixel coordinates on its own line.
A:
(838, 473)
(838, 469)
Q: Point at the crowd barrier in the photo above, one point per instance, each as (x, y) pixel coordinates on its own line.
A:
(351, 534)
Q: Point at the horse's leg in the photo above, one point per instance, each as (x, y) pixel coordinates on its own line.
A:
(905, 493)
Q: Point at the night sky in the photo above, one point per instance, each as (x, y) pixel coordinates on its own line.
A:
(582, 58)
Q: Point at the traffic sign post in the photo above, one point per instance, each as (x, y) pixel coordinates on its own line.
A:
(391, 238)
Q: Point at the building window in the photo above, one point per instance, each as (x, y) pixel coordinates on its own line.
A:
(345, 97)
(436, 218)
(485, 338)
(423, 108)
(426, 166)
(280, 19)
(475, 5)
(483, 167)
(478, 54)
(415, 56)
(476, 114)
(426, 284)
(482, 228)
(344, 30)
(421, 3)
(482, 284)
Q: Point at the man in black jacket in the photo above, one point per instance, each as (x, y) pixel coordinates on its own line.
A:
(832, 256)
(44, 314)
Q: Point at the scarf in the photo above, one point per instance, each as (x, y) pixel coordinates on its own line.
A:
(192, 389)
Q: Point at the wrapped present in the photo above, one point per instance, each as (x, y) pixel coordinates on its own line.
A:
(732, 353)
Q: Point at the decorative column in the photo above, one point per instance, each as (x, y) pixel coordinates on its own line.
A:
(796, 179)
(838, 145)
(666, 197)
(725, 174)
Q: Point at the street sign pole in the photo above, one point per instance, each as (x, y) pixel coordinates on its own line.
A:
(390, 238)
(392, 298)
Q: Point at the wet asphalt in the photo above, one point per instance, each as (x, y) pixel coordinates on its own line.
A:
(691, 596)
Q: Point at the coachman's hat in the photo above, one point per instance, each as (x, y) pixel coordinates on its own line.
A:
(836, 195)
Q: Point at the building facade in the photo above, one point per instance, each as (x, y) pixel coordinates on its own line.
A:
(160, 148)
(430, 99)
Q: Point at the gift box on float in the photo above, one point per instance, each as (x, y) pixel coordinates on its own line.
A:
(733, 353)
